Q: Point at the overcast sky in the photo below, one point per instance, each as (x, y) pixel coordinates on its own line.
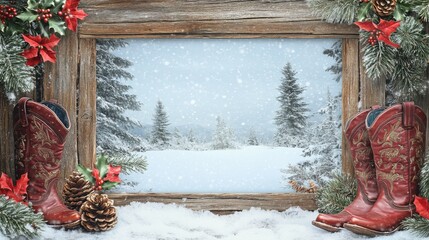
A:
(237, 79)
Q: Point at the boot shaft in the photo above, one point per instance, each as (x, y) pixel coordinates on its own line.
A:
(40, 130)
(361, 152)
(397, 136)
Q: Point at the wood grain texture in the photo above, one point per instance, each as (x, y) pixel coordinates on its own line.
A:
(372, 90)
(350, 94)
(86, 118)
(6, 136)
(222, 202)
(205, 18)
(60, 83)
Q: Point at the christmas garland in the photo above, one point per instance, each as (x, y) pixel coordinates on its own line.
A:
(395, 45)
(29, 32)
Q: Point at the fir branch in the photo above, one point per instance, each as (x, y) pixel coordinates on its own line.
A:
(129, 163)
(18, 220)
(15, 75)
(379, 60)
(335, 11)
(422, 9)
(424, 178)
(337, 194)
(419, 226)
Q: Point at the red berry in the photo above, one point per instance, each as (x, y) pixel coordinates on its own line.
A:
(60, 13)
(48, 10)
(39, 18)
(45, 20)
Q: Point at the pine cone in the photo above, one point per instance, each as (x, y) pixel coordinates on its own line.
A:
(98, 213)
(75, 191)
(384, 8)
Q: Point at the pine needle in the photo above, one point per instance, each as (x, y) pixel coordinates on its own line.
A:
(335, 11)
(129, 163)
(337, 194)
(18, 220)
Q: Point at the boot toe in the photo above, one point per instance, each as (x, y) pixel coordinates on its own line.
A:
(335, 220)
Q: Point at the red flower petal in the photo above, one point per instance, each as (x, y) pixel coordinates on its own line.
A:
(79, 14)
(387, 40)
(50, 42)
(33, 61)
(112, 178)
(388, 27)
(32, 52)
(422, 206)
(34, 41)
(21, 184)
(6, 182)
(71, 4)
(367, 26)
(115, 170)
(95, 173)
(48, 55)
(71, 23)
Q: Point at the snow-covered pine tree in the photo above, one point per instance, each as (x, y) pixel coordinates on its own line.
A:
(223, 137)
(335, 52)
(252, 139)
(291, 117)
(160, 136)
(113, 99)
(325, 146)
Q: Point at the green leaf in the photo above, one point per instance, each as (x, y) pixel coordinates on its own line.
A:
(47, 3)
(102, 165)
(27, 16)
(2, 26)
(43, 30)
(32, 4)
(108, 185)
(363, 12)
(87, 173)
(58, 26)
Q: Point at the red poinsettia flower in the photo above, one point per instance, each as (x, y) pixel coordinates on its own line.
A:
(422, 206)
(71, 14)
(381, 31)
(113, 174)
(40, 49)
(17, 192)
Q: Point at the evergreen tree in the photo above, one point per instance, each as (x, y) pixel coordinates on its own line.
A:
(191, 136)
(160, 133)
(325, 145)
(252, 140)
(223, 137)
(335, 52)
(113, 99)
(291, 117)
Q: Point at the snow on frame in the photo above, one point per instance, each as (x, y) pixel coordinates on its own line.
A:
(155, 221)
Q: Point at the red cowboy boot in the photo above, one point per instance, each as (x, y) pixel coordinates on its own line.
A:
(363, 162)
(397, 137)
(40, 130)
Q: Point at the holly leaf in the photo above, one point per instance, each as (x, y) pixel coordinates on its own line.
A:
(32, 4)
(27, 16)
(87, 173)
(363, 11)
(47, 3)
(108, 185)
(102, 165)
(45, 33)
(422, 206)
(2, 26)
(58, 26)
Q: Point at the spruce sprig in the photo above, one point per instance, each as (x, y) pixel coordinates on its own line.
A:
(335, 11)
(336, 194)
(418, 225)
(15, 76)
(18, 220)
(129, 163)
(422, 9)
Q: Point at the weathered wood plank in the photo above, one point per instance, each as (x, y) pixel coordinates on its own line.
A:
(86, 119)
(198, 18)
(222, 202)
(350, 93)
(6, 136)
(60, 83)
(372, 90)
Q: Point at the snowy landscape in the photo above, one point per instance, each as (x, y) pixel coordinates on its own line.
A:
(155, 221)
(213, 115)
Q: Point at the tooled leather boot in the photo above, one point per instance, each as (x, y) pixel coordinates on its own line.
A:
(367, 192)
(397, 136)
(40, 130)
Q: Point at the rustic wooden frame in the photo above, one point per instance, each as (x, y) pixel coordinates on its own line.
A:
(72, 79)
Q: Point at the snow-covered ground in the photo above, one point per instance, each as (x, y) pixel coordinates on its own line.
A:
(154, 221)
(248, 169)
